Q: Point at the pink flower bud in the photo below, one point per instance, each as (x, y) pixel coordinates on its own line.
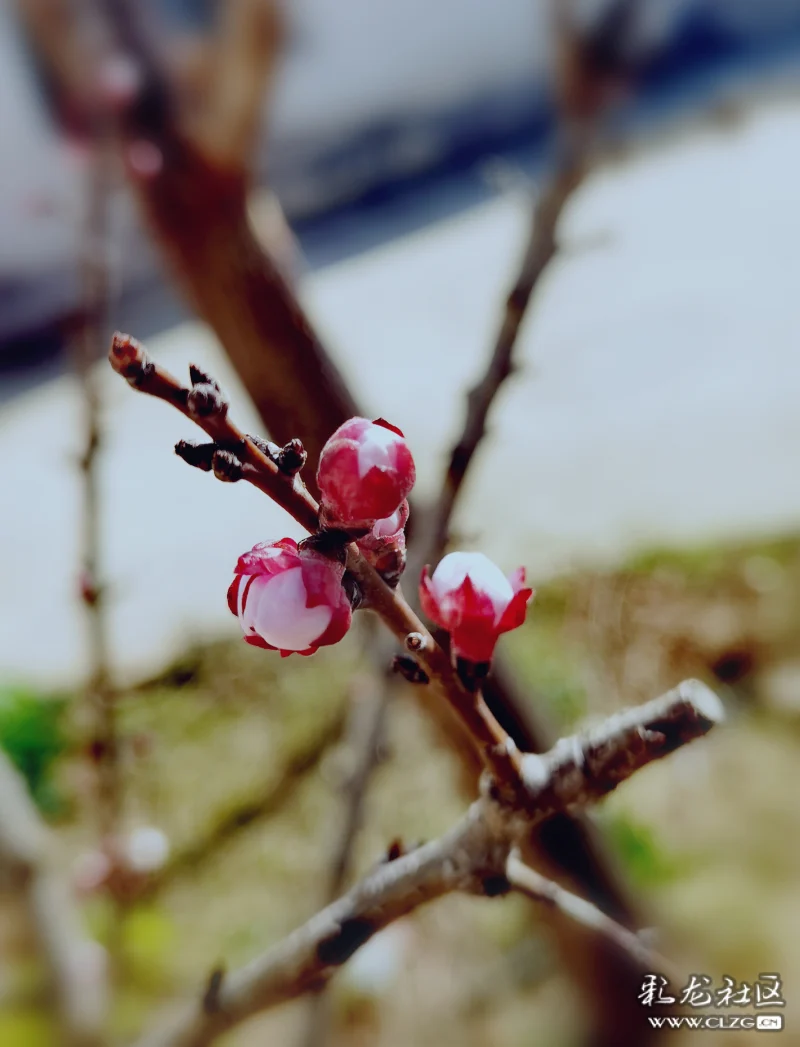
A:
(470, 597)
(365, 472)
(385, 545)
(289, 599)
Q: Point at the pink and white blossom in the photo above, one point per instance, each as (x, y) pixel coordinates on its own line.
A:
(289, 599)
(365, 472)
(470, 597)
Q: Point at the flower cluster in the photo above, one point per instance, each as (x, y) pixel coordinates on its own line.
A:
(292, 598)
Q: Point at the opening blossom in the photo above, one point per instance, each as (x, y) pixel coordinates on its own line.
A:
(365, 472)
(470, 597)
(289, 599)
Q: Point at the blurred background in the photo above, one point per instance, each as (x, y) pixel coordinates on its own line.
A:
(641, 461)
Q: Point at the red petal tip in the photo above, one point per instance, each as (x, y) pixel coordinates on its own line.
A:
(388, 425)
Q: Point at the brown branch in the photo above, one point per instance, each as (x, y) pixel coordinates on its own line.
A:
(312, 954)
(74, 963)
(244, 54)
(472, 857)
(205, 405)
(589, 63)
(91, 338)
(540, 249)
(583, 768)
(196, 206)
(485, 741)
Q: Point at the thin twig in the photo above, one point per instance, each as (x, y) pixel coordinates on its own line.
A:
(370, 708)
(588, 61)
(471, 857)
(273, 798)
(89, 347)
(540, 249)
(196, 206)
(204, 404)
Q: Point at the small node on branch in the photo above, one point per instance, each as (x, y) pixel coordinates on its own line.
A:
(89, 590)
(292, 457)
(199, 377)
(409, 669)
(129, 359)
(205, 400)
(267, 447)
(394, 851)
(415, 642)
(353, 590)
(196, 454)
(226, 466)
(212, 991)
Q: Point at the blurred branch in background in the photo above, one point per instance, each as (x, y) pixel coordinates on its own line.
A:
(192, 179)
(244, 53)
(274, 797)
(76, 966)
(105, 744)
(371, 695)
(593, 63)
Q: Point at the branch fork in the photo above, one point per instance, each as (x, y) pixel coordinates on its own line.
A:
(480, 855)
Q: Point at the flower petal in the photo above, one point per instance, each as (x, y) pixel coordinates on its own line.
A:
(428, 600)
(255, 641)
(388, 425)
(233, 595)
(514, 614)
(517, 579)
(281, 615)
(472, 640)
(485, 576)
(267, 557)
